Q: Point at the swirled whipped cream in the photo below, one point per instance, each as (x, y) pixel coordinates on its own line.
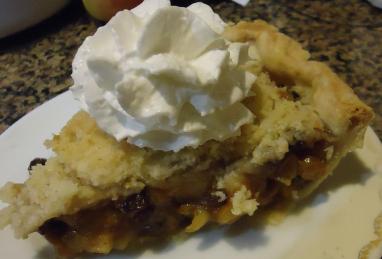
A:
(163, 77)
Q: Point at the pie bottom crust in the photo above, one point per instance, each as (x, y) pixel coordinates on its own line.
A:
(96, 194)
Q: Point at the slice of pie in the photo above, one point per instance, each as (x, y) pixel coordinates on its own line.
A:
(96, 194)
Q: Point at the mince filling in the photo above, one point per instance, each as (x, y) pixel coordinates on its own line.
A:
(156, 214)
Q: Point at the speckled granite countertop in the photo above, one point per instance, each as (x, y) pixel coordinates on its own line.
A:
(35, 65)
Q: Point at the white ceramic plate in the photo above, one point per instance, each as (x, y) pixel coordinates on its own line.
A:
(335, 223)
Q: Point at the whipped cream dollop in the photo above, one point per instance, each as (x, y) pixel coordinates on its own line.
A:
(163, 77)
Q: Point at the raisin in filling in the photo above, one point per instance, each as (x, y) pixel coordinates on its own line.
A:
(135, 219)
(36, 161)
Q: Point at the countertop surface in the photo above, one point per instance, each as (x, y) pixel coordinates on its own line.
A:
(35, 65)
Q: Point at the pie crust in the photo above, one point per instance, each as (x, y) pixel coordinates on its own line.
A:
(96, 194)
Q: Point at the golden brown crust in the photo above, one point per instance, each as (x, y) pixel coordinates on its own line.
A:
(335, 102)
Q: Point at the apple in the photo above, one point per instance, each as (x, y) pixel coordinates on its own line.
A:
(105, 9)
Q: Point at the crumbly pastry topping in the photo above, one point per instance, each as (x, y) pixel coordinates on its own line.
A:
(243, 202)
(294, 142)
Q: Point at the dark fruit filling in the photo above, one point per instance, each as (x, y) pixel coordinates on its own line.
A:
(156, 212)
